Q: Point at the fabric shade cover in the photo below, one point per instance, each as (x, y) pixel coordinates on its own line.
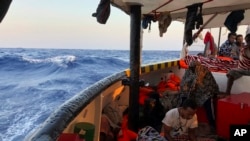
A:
(178, 10)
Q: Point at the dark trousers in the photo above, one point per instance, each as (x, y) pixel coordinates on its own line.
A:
(209, 108)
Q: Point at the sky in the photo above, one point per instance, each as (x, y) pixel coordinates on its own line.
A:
(69, 24)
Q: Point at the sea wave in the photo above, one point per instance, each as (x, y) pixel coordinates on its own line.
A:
(34, 82)
(62, 61)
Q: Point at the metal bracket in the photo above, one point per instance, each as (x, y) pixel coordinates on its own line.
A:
(126, 82)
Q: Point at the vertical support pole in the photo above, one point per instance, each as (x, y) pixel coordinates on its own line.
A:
(219, 41)
(184, 49)
(135, 56)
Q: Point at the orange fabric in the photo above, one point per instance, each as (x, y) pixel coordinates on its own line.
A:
(146, 90)
(162, 86)
(183, 64)
(126, 134)
(144, 94)
(225, 58)
(175, 78)
(172, 83)
(142, 99)
(173, 86)
(160, 90)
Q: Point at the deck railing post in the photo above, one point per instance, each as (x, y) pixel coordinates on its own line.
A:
(135, 55)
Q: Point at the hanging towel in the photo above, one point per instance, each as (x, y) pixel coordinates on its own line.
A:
(193, 20)
(233, 19)
(102, 11)
(210, 46)
(164, 21)
(209, 38)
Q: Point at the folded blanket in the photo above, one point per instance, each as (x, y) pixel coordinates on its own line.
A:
(218, 64)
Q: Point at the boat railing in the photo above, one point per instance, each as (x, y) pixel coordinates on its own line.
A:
(60, 118)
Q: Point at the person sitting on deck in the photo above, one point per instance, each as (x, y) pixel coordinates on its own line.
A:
(243, 65)
(236, 49)
(226, 47)
(181, 122)
(153, 112)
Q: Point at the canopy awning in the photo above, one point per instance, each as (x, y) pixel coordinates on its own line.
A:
(178, 10)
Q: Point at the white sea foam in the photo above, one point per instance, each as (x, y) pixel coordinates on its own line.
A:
(24, 122)
(62, 61)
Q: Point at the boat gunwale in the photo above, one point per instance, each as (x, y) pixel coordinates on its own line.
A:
(54, 125)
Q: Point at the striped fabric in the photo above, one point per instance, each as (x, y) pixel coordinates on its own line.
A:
(219, 64)
(244, 61)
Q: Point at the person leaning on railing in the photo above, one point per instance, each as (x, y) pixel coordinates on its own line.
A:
(243, 65)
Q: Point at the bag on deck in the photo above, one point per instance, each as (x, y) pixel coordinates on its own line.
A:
(149, 134)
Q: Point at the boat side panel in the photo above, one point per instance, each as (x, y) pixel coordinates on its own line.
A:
(240, 85)
(92, 113)
(66, 113)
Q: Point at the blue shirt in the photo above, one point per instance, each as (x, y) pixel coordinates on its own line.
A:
(226, 48)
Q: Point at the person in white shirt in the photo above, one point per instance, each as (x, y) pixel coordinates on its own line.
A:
(181, 122)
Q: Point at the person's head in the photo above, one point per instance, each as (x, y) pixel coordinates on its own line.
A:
(231, 37)
(247, 39)
(188, 109)
(239, 39)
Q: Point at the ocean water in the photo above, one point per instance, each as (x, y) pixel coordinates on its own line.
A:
(34, 82)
